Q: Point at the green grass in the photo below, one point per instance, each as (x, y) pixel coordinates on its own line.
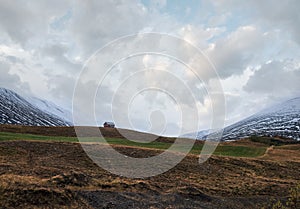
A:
(240, 151)
(234, 151)
(5, 136)
(222, 150)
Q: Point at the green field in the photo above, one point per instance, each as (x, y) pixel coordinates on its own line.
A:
(5, 136)
(240, 151)
(221, 150)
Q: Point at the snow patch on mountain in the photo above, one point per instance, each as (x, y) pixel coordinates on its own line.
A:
(15, 109)
(50, 108)
(279, 120)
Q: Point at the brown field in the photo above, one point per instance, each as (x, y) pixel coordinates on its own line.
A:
(36, 174)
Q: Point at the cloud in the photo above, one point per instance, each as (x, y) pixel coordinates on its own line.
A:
(95, 23)
(199, 35)
(283, 16)
(23, 21)
(10, 80)
(269, 15)
(276, 79)
(44, 45)
(55, 56)
(240, 49)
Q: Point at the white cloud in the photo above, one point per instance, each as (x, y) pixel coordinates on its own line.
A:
(239, 50)
(23, 21)
(95, 23)
(10, 80)
(282, 15)
(275, 79)
(44, 44)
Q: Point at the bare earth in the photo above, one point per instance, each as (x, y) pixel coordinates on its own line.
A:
(37, 174)
(57, 175)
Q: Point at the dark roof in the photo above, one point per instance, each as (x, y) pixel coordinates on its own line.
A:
(109, 123)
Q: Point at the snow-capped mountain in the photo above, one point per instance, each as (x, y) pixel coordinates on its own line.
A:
(50, 107)
(15, 109)
(280, 120)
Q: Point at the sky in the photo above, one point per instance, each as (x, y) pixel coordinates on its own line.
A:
(252, 47)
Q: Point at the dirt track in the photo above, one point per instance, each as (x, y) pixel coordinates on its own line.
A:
(60, 175)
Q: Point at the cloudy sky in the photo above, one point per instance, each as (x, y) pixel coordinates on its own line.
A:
(252, 45)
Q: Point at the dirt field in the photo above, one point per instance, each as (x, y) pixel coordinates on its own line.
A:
(35, 174)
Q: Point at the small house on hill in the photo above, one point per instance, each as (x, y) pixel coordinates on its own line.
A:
(108, 125)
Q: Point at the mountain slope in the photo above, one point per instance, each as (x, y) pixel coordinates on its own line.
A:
(50, 108)
(280, 120)
(15, 109)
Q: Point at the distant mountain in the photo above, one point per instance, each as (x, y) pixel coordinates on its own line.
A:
(279, 120)
(196, 135)
(15, 109)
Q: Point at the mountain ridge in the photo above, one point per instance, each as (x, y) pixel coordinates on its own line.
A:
(15, 109)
